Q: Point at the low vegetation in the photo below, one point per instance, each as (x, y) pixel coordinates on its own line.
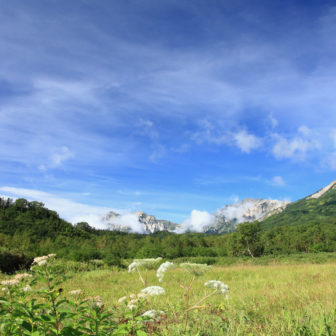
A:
(260, 280)
(179, 299)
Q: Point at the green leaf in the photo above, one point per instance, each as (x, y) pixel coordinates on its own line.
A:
(141, 333)
(69, 331)
(27, 326)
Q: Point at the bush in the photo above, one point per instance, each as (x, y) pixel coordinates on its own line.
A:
(11, 262)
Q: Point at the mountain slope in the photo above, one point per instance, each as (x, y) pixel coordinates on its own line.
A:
(137, 222)
(248, 210)
(319, 207)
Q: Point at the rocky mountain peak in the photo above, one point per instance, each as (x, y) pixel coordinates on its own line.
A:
(248, 210)
(138, 222)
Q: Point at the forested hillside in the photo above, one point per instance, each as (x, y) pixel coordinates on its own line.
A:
(321, 210)
(31, 229)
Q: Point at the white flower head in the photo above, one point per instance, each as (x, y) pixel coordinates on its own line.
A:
(122, 299)
(153, 315)
(218, 285)
(97, 303)
(153, 290)
(132, 304)
(42, 262)
(9, 283)
(149, 263)
(163, 269)
(22, 276)
(142, 295)
(51, 255)
(75, 292)
(27, 288)
(39, 259)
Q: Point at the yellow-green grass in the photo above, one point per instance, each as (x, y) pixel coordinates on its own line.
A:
(264, 300)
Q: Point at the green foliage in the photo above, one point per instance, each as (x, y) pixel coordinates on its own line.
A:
(321, 210)
(28, 228)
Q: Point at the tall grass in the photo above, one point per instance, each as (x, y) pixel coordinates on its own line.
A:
(264, 300)
(278, 299)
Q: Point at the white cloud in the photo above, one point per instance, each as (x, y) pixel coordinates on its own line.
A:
(246, 142)
(278, 181)
(215, 134)
(67, 209)
(295, 147)
(60, 156)
(131, 221)
(197, 221)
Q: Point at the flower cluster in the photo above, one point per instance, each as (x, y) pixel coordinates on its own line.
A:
(27, 288)
(11, 282)
(21, 276)
(153, 315)
(153, 290)
(163, 269)
(15, 281)
(97, 302)
(149, 263)
(195, 269)
(133, 300)
(40, 261)
(75, 292)
(218, 285)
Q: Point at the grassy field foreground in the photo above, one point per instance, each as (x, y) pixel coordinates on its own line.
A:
(263, 300)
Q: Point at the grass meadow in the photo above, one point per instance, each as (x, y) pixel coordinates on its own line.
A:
(297, 299)
(275, 299)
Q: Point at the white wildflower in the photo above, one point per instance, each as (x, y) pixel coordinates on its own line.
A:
(149, 263)
(27, 288)
(42, 262)
(153, 290)
(11, 282)
(22, 276)
(218, 285)
(122, 299)
(142, 295)
(195, 269)
(39, 259)
(4, 289)
(132, 304)
(51, 255)
(153, 315)
(163, 269)
(132, 296)
(75, 292)
(98, 303)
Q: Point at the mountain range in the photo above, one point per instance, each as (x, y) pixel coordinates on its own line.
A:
(270, 212)
(224, 220)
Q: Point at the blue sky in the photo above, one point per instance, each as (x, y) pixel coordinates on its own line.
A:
(165, 106)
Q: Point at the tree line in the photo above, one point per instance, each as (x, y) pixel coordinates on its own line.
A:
(32, 229)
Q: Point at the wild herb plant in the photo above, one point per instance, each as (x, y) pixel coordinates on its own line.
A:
(35, 304)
